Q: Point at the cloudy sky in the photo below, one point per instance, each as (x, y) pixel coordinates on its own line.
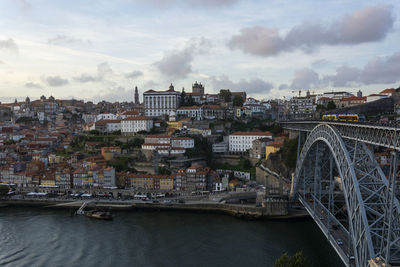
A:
(96, 50)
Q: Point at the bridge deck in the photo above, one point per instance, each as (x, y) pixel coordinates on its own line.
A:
(385, 136)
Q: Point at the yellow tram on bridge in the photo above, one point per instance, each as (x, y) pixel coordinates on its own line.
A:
(344, 117)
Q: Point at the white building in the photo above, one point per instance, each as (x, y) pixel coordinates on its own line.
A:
(220, 147)
(106, 116)
(127, 114)
(185, 142)
(194, 112)
(109, 177)
(88, 118)
(159, 103)
(255, 108)
(302, 107)
(108, 126)
(243, 141)
(375, 97)
(113, 125)
(136, 124)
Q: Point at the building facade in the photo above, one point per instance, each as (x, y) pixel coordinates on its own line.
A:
(132, 125)
(240, 142)
(159, 103)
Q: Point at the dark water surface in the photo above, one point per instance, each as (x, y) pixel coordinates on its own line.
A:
(39, 237)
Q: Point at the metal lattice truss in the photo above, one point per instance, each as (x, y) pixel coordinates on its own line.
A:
(369, 134)
(373, 213)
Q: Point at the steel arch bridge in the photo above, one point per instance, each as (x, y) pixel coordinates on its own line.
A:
(343, 188)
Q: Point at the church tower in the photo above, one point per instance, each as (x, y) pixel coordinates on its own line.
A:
(136, 96)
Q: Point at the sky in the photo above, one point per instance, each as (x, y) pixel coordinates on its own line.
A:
(100, 50)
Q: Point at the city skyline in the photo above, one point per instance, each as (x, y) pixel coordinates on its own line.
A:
(101, 52)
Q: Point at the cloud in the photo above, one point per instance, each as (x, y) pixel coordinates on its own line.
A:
(379, 70)
(178, 64)
(67, 40)
(366, 25)
(1, 62)
(344, 76)
(150, 84)
(320, 63)
(33, 85)
(133, 74)
(382, 70)
(103, 70)
(283, 86)
(85, 78)
(24, 4)
(117, 93)
(55, 81)
(192, 3)
(252, 86)
(305, 79)
(9, 45)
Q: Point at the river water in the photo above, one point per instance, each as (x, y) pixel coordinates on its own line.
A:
(40, 237)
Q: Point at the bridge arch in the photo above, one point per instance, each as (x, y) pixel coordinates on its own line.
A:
(363, 186)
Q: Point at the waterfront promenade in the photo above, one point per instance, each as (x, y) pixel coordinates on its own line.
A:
(272, 209)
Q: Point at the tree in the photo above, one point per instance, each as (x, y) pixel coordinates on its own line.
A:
(238, 101)
(94, 132)
(225, 94)
(331, 105)
(276, 129)
(297, 260)
(320, 107)
(190, 101)
(3, 190)
(183, 98)
(164, 171)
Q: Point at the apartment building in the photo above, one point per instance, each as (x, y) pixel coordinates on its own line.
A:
(136, 124)
(159, 103)
(240, 142)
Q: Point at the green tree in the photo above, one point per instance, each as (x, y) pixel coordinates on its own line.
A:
(3, 190)
(183, 98)
(94, 132)
(190, 102)
(164, 171)
(331, 105)
(238, 101)
(225, 94)
(320, 107)
(276, 129)
(297, 260)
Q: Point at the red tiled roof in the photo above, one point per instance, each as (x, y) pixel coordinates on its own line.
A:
(377, 95)
(192, 107)
(104, 122)
(325, 98)
(252, 133)
(157, 136)
(387, 91)
(130, 113)
(354, 98)
(138, 118)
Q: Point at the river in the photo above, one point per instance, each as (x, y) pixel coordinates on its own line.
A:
(40, 237)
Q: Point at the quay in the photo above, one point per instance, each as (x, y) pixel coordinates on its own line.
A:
(271, 210)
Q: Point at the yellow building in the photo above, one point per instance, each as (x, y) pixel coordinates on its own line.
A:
(272, 147)
(108, 153)
(141, 181)
(166, 183)
(176, 125)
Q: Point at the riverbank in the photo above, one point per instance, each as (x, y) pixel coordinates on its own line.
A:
(272, 211)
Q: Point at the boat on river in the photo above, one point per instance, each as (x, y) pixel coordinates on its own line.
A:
(99, 214)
